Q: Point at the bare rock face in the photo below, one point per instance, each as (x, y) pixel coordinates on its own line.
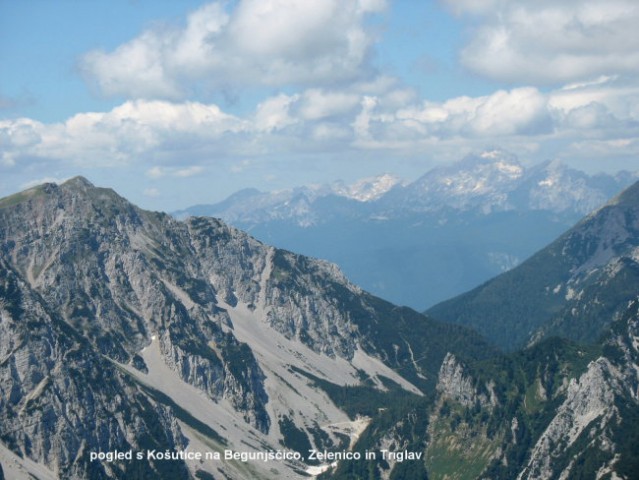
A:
(455, 384)
(290, 289)
(554, 411)
(119, 275)
(587, 409)
(590, 417)
(124, 329)
(100, 279)
(60, 400)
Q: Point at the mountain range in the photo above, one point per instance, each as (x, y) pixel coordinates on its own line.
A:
(128, 332)
(573, 288)
(431, 239)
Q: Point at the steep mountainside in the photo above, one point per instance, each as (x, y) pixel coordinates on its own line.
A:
(60, 399)
(127, 330)
(574, 287)
(557, 410)
(432, 239)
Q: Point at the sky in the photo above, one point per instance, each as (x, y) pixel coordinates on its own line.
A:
(179, 102)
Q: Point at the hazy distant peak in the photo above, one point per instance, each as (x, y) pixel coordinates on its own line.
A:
(367, 189)
(495, 163)
(488, 176)
(503, 162)
(498, 154)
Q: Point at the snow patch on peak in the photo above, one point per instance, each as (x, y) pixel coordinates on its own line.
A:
(368, 189)
(497, 154)
(511, 169)
(492, 154)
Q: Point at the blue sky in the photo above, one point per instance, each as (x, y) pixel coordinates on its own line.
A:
(176, 102)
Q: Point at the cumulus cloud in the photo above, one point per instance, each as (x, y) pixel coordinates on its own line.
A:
(524, 119)
(117, 137)
(472, 6)
(618, 147)
(158, 172)
(189, 171)
(17, 137)
(544, 42)
(517, 112)
(170, 139)
(317, 104)
(256, 42)
(274, 113)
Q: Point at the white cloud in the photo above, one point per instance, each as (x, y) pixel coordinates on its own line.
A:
(258, 42)
(617, 153)
(135, 69)
(361, 124)
(317, 104)
(520, 111)
(472, 6)
(544, 42)
(151, 192)
(18, 137)
(156, 172)
(120, 136)
(189, 171)
(168, 139)
(274, 113)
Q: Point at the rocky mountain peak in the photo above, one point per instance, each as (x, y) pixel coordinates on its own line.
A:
(78, 182)
(367, 189)
(456, 384)
(478, 182)
(473, 172)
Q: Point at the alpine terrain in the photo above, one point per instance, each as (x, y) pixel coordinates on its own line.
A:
(134, 345)
(124, 331)
(567, 405)
(575, 287)
(426, 241)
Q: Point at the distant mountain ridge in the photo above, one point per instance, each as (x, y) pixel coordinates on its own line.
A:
(573, 288)
(491, 181)
(422, 242)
